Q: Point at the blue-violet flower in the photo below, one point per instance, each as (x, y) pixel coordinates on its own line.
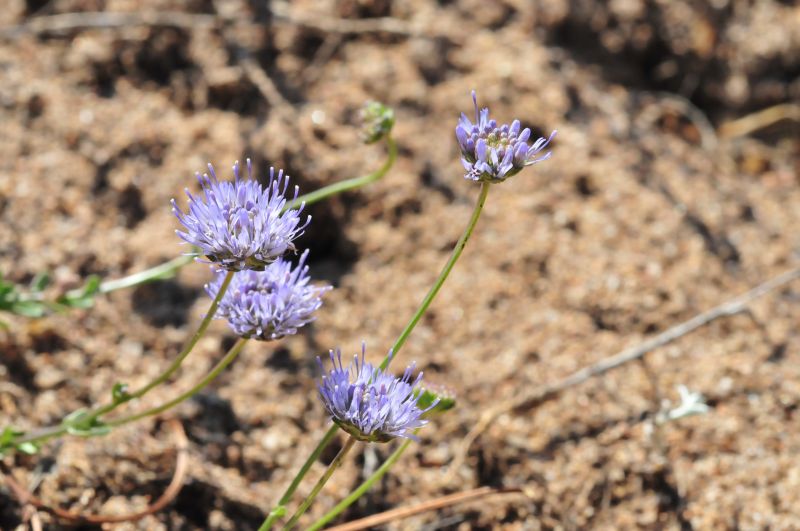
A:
(240, 224)
(268, 304)
(370, 404)
(493, 154)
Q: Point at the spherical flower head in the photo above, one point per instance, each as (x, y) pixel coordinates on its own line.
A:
(241, 224)
(370, 404)
(493, 154)
(268, 304)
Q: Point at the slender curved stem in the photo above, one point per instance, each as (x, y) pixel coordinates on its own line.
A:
(437, 285)
(364, 487)
(218, 368)
(45, 434)
(161, 271)
(349, 184)
(398, 344)
(280, 509)
(176, 363)
(168, 269)
(337, 461)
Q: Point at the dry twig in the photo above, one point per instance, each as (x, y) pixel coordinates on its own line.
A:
(262, 82)
(100, 20)
(282, 11)
(668, 101)
(531, 399)
(181, 466)
(30, 515)
(429, 505)
(759, 120)
(250, 67)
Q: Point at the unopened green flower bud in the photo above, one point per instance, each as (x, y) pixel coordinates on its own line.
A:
(378, 121)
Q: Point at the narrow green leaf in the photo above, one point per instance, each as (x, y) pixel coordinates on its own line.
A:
(80, 302)
(74, 417)
(93, 431)
(40, 282)
(28, 448)
(92, 285)
(8, 435)
(429, 395)
(28, 308)
(7, 291)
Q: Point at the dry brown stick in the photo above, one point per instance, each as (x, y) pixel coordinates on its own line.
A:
(101, 20)
(430, 505)
(169, 494)
(314, 69)
(759, 120)
(282, 11)
(262, 82)
(527, 400)
(30, 515)
(250, 67)
(666, 100)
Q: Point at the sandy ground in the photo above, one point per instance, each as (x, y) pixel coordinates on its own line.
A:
(651, 211)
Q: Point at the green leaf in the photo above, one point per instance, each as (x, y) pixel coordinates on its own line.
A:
(96, 430)
(28, 448)
(92, 285)
(75, 417)
(80, 302)
(84, 298)
(81, 424)
(7, 290)
(278, 511)
(40, 282)
(8, 435)
(427, 396)
(28, 308)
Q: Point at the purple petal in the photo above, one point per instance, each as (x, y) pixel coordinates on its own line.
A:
(480, 149)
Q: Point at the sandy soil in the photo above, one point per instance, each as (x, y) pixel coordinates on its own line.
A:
(649, 212)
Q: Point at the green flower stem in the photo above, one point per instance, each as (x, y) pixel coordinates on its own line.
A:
(161, 271)
(437, 285)
(349, 184)
(280, 509)
(218, 368)
(337, 461)
(40, 436)
(426, 302)
(364, 487)
(398, 344)
(176, 363)
(168, 269)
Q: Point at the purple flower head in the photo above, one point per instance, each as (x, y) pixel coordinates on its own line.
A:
(268, 304)
(240, 224)
(370, 404)
(493, 154)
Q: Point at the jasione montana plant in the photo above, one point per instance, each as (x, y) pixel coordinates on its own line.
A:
(247, 232)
